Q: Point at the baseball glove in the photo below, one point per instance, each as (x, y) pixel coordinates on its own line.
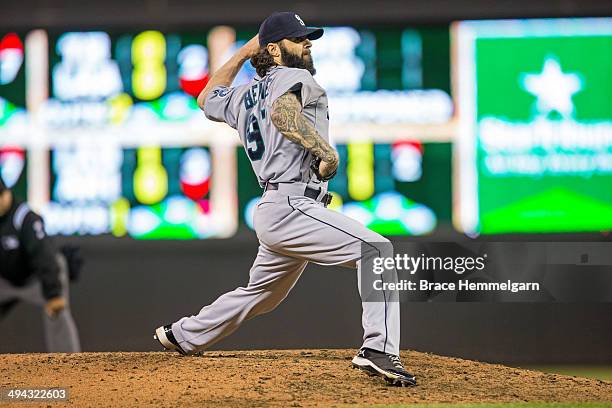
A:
(314, 166)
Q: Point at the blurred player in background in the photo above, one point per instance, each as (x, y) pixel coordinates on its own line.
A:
(34, 271)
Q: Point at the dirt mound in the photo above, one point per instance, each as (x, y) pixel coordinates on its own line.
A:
(281, 379)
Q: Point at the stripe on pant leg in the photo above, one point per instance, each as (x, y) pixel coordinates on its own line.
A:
(360, 239)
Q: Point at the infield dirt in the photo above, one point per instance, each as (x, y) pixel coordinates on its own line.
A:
(296, 378)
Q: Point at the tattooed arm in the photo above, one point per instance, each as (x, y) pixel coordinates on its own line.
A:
(288, 119)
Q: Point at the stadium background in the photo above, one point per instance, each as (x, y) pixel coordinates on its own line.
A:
(129, 286)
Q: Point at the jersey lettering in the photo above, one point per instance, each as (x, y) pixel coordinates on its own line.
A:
(247, 108)
(257, 92)
(255, 145)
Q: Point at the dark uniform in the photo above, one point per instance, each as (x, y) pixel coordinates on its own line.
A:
(25, 252)
(32, 270)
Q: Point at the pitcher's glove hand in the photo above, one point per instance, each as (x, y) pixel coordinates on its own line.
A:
(315, 165)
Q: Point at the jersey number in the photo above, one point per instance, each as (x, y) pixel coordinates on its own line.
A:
(255, 145)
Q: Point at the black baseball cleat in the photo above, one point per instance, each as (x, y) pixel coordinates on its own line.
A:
(165, 336)
(384, 365)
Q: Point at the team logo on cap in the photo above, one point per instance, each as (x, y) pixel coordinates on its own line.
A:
(300, 20)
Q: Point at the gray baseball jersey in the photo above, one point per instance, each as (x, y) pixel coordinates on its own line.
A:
(247, 109)
(292, 229)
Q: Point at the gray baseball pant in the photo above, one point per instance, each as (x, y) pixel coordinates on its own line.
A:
(61, 335)
(293, 230)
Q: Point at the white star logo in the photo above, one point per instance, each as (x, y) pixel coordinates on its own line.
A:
(553, 88)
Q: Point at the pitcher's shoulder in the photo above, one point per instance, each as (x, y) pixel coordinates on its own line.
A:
(283, 75)
(280, 73)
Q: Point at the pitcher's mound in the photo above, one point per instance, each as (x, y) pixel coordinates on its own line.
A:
(281, 379)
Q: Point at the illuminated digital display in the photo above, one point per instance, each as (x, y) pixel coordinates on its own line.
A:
(535, 141)
(13, 117)
(147, 192)
(395, 189)
(119, 145)
(136, 80)
(382, 75)
(13, 170)
(116, 175)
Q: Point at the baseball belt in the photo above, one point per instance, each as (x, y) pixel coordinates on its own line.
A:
(315, 193)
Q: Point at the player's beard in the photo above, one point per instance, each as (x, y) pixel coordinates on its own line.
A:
(297, 61)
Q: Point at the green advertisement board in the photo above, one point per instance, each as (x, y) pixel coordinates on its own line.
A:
(535, 126)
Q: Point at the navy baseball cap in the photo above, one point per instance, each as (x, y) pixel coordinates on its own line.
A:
(285, 24)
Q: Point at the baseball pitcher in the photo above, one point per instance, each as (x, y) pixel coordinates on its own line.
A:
(282, 119)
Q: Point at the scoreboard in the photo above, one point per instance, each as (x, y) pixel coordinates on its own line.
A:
(129, 166)
(137, 80)
(494, 126)
(120, 146)
(146, 192)
(383, 75)
(402, 188)
(13, 114)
